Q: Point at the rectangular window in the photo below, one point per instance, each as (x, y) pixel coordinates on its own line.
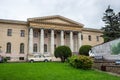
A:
(54, 46)
(81, 37)
(97, 37)
(35, 34)
(9, 32)
(45, 47)
(22, 33)
(46, 35)
(21, 58)
(8, 58)
(55, 35)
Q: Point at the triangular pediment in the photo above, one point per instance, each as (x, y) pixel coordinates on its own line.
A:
(56, 20)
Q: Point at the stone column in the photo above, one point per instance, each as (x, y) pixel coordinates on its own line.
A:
(71, 41)
(79, 40)
(52, 42)
(62, 37)
(42, 41)
(31, 40)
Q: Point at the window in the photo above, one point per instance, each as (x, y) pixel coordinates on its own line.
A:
(9, 32)
(55, 35)
(22, 33)
(64, 36)
(89, 38)
(8, 47)
(97, 37)
(8, 58)
(35, 34)
(45, 47)
(81, 37)
(22, 48)
(55, 46)
(46, 35)
(21, 58)
(35, 47)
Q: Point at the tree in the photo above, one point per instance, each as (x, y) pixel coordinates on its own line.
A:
(63, 52)
(84, 50)
(112, 25)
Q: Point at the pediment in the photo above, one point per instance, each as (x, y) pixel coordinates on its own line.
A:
(55, 19)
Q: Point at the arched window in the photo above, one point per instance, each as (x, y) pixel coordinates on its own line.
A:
(45, 47)
(8, 47)
(35, 47)
(89, 38)
(22, 48)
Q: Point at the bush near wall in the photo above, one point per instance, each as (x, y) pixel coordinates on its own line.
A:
(84, 50)
(63, 52)
(81, 62)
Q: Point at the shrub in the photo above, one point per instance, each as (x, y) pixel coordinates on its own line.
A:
(84, 50)
(4, 59)
(81, 62)
(63, 52)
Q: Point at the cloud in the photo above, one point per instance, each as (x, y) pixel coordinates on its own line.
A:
(88, 12)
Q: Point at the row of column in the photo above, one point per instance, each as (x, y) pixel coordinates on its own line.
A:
(52, 40)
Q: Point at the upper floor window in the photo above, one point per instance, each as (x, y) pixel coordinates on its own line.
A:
(8, 47)
(22, 33)
(45, 47)
(97, 37)
(35, 34)
(89, 38)
(22, 48)
(9, 32)
(35, 47)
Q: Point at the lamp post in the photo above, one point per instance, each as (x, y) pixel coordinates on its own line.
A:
(109, 15)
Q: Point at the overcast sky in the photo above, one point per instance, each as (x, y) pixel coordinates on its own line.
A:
(87, 12)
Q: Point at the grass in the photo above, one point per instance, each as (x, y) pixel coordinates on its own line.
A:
(49, 71)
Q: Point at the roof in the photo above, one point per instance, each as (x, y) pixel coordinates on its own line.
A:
(13, 21)
(41, 19)
(91, 29)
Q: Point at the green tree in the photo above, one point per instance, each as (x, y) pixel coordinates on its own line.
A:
(112, 25)
(84, 50)
(63, 52)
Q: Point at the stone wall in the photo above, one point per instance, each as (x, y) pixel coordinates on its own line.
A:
(108, 66)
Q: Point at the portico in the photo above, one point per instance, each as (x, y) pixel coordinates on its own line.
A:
(53, 32)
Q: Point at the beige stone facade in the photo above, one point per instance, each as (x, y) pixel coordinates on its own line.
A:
(43, 34)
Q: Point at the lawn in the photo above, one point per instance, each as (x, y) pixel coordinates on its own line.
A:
(49, 71)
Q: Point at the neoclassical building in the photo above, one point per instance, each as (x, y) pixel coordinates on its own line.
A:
(41, 35)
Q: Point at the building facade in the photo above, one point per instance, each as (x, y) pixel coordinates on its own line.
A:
(19, 39)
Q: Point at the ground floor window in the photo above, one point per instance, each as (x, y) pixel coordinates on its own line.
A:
(21, 58)
(45, 47)
(8, 58)
(8, 47)
(35, 47)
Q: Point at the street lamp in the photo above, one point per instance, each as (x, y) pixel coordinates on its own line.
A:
(109, 12)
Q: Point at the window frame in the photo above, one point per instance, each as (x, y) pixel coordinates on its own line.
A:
(22, 33)
(9, 32)
(89, 38)
(45, 48)
(22, 47)
(35, 47)
(8, 47)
